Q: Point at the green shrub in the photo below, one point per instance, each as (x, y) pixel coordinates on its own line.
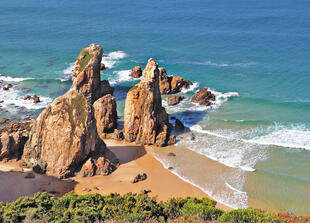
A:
(247, 216)
(85, 58)
(200, 210)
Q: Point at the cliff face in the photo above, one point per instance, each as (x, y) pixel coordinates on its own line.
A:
(145, 120)
(86, 74)
(13, 137)
(65, 134)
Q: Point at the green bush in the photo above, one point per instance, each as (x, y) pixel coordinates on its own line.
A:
(44, 207)
(247, 216)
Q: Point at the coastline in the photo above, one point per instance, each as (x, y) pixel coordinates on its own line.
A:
(134, 160)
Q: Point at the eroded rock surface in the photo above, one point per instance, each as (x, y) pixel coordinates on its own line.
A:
(13, 136)
(106, 114)
(136, 72)
(204, 97)
(145, 120)
(65, 136)
(171, 84)
(174, 100)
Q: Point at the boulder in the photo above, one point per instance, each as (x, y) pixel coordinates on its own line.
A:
(204, 97)
(105, 114)
(65, 136)
(36, 99)
(136, 72)
(145, 120)
(13, 137)
(139, 177)
(171, 84)
(174, 100)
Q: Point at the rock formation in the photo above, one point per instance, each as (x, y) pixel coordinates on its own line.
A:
(86, 74)
(64, 136)
(145, 120)
(13, 137)
(171, 84)
(174, 100)
(106, 114)
(136, 72)
(204, 97)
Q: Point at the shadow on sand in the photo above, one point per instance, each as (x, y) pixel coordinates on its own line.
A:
(14, 185)
(125, 154)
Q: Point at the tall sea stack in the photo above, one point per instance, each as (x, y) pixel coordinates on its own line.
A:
(145, 120)
(64, 136)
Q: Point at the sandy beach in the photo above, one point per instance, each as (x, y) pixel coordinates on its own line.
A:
(134, 159)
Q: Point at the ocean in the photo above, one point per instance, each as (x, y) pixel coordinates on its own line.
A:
(254, 56)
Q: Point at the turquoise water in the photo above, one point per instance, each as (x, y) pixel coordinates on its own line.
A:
(253, 54)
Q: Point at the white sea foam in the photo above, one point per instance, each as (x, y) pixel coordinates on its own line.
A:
(217, 64)
(229, 197)
(13, 79)
(111, 59)
(69, 69)
(235, 189)
(190, 88)
(187, 105)
(294, 136)
(121, 76)
(12, 100)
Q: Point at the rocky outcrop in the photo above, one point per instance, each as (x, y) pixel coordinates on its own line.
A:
(13, 137)
(105, 114)
(86, 74)
(136, 72)
(174, 100)
(145, 120)
(171, 84)
(64, 136)
(204, 97)
(178, 125)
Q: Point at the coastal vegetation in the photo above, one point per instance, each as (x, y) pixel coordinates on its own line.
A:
(44, 207)
(86, 56)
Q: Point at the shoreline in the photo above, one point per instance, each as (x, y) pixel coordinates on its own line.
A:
(163, 183)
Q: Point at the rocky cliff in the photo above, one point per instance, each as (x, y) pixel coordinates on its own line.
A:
(145, 120)
(64, 136)
(13, 136)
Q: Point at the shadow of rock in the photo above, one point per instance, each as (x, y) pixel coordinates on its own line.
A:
(14, 185)
(125, 154)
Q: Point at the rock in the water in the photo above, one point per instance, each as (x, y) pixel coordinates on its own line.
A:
(145, 120)
(139, 177)
(36, 99)
(86, 74)
(171, 84)
(136, 72)
(13, 137)
(204, 97)
(179, 125)
(27, 97)
(102, 66)
(64, 135)
(174, 100)
(105, 114)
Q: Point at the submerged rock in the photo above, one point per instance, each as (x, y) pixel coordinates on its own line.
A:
(179, 125)
(145, 120)
(171, 84)
(204, 97)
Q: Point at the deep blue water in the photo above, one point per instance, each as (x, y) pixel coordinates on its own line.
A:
(257, 49)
